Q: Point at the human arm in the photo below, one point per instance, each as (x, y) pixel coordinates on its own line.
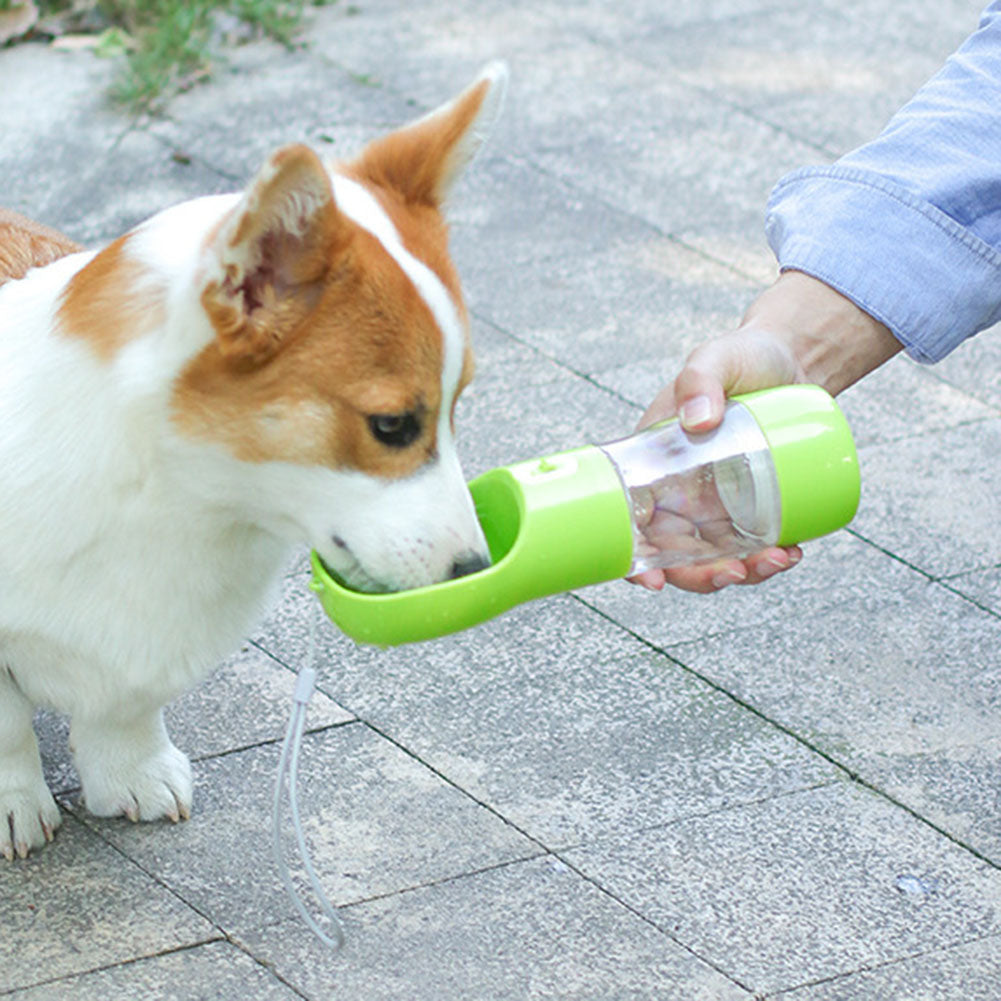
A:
(897, 245)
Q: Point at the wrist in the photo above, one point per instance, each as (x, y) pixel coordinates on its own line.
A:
(832, 342)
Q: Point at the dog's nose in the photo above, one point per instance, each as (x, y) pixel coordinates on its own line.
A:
(468, 563)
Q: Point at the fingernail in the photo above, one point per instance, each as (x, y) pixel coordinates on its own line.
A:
(771, 565)
(727, 577)
(696, 411)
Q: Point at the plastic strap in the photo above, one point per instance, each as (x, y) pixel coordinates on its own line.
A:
(288, 769)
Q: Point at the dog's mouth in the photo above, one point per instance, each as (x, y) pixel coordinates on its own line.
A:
(352, 575)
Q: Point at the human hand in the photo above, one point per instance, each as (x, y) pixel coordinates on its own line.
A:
(799, 330)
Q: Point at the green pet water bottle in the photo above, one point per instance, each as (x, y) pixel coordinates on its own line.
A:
(779, 470)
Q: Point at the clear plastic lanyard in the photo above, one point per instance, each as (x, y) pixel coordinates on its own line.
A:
(288, 771)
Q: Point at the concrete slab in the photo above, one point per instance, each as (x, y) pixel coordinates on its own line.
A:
(976, 367)
(592, 286)
(642, 141)
(801, 887)
(983, 587)
(209, 972)
(900, 400)
(378, 821)
(900, 687)
(966, 973)
(48, 95)
(815, 74)
(904, 400)
(559, 722)
(245, 702)
(136, 178)
(837, 572)
(306, 99)
(79, 906)
(530, 930)
(924, 498)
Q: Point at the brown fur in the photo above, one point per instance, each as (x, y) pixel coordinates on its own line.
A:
(111, 300)
(26, 244)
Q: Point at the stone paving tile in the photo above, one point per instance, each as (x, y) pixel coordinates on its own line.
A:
(134, 180)
(901, 687)
(969, 972)
(984, 587)
(214, 972)
(79, 905)
(938, 28)
(642, 141)
(592, 286)
(925, 498)
(311, 100)
(37, 106)
(904, 400)
(245, 701)
(837, 572)
(551, 410)
(609, 175)
(532, 930)
(801, 887)
(558, 721)
(378, 822)
(820, 76)
(656, 148)
(975, 366)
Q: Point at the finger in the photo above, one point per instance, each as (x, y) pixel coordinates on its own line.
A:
(652, 580)
(707, 578)
(770, 562)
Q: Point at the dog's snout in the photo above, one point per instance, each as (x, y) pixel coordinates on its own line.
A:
(466, 564)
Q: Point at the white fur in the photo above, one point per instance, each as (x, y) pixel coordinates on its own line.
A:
(133, 558)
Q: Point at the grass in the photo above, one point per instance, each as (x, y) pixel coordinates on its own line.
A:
(168, 45)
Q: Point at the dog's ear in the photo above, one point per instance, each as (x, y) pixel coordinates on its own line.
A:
(271, 255)
(423, 160)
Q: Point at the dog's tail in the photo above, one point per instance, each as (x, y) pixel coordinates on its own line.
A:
(25, 244)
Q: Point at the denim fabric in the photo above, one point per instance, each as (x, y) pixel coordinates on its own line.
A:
(909, 225)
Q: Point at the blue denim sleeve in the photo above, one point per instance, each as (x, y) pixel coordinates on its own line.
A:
(909, 225)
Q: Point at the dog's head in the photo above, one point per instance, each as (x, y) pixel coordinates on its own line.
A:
(340, 346)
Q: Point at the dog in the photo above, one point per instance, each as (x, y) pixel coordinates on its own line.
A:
(179, 410)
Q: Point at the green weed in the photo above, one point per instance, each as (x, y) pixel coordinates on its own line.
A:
(168, 45)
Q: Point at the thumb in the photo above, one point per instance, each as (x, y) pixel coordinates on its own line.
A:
(701, 388)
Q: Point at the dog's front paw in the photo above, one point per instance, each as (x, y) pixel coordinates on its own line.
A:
(28, 817)
(135, 772)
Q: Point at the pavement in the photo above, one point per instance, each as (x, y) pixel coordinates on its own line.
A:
(785, 791)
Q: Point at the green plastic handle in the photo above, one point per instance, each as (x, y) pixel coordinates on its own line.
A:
(552, 524)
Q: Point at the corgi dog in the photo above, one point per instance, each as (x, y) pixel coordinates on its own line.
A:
(238, 375)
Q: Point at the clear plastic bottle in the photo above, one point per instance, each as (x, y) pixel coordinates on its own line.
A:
(698, 497)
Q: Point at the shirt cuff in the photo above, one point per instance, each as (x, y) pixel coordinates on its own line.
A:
(903, 261)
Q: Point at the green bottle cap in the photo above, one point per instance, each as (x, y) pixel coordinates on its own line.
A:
(552, 524)
(816, 464)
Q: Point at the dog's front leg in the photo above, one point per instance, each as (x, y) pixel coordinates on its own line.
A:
(28, 813)
(129, 766)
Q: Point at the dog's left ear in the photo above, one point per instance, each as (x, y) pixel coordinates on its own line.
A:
(423, 160)
(271, 255)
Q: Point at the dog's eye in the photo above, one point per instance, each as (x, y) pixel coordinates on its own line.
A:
(395, 430)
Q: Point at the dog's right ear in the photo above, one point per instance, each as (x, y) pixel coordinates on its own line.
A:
(271, 255)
